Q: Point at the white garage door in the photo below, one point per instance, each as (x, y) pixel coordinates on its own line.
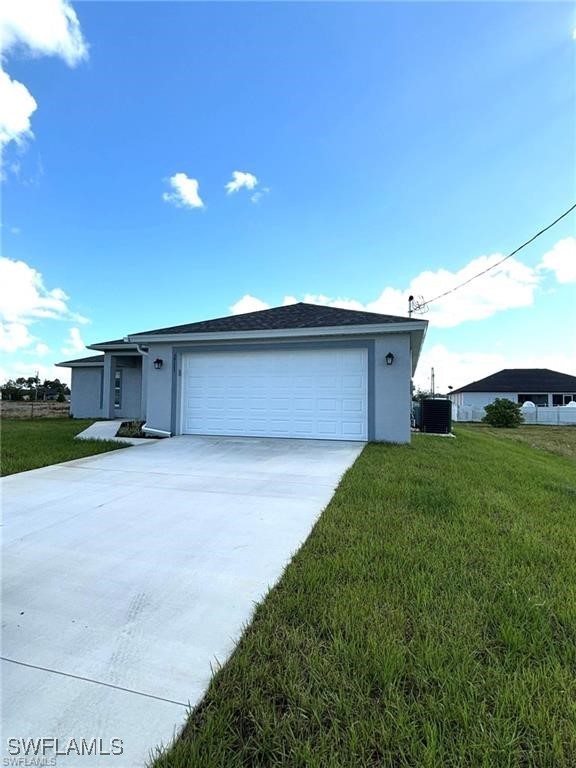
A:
(303, 393)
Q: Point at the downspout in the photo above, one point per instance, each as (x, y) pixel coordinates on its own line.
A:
(154, 432)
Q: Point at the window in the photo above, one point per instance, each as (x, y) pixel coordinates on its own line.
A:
(563, 399)
(118, 389)
(536, 399)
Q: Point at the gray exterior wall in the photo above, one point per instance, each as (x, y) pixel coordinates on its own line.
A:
(389, 393)
(92, 389)
(159, 387)
(131, 401)
(85, 389)
(392, 389)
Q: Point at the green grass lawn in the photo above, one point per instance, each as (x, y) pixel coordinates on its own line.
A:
(560, 440)
(29, 444)
(428, 621)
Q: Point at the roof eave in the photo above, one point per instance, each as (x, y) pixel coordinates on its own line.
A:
(79, 365)
(104, 347)
(409, 326)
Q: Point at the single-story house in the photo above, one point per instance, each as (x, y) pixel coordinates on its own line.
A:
(540, 386)
(300, 370)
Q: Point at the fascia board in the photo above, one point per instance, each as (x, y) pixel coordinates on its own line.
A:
(283, 333)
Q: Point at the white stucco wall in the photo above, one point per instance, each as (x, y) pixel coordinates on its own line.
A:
(481, 399)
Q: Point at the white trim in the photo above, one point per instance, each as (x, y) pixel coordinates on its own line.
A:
(335, 330)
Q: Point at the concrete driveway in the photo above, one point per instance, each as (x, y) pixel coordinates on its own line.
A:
(125, 576)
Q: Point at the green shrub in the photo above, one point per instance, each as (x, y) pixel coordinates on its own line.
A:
(503, 413)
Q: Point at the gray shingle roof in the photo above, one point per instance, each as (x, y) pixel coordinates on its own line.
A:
(299, 315)
(526, 380)
(93, 360)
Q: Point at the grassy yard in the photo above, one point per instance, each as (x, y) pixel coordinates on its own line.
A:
(428, 621)
(560, 440)
(29, 444)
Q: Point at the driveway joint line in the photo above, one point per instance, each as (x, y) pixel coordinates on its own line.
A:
(96, 682)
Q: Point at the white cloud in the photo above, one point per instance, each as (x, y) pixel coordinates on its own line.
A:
(508, 286)
(14, 336)
(561, 260)
(41, 349)
(24, 368)
(16, 107)
(326, 301)
(74, 342)
(43, 27)
(248, 304)
(257, 196)
(454, 368)
(25, 299)
(511, 285)
(185, 194)
(239, 180)
(40, 28)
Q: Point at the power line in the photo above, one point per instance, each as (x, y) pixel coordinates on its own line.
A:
(423, 305)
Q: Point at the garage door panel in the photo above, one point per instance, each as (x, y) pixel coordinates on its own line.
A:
(351, 428)
(299, 393)
(327, 405)
(357, 358)
(352, 382)
(327, 382)
(327, 428)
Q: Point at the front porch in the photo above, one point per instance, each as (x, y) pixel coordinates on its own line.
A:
(123, 390)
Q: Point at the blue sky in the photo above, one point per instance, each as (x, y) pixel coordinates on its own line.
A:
(386, 148)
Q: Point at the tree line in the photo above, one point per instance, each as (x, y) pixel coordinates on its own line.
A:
(32, 388)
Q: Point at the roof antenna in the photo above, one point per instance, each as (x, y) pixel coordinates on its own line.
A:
(410, 300)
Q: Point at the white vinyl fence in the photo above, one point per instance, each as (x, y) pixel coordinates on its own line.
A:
(557, 415)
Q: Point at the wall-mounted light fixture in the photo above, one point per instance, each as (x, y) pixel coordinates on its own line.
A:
(158, 363)
(389, 358)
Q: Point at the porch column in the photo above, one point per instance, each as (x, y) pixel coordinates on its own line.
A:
(144, 385)
(108, 386)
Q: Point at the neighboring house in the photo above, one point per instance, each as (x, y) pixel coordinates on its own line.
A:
(540, 386)
(300, 370)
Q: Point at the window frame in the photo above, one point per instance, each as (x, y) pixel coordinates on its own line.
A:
(118, 388)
